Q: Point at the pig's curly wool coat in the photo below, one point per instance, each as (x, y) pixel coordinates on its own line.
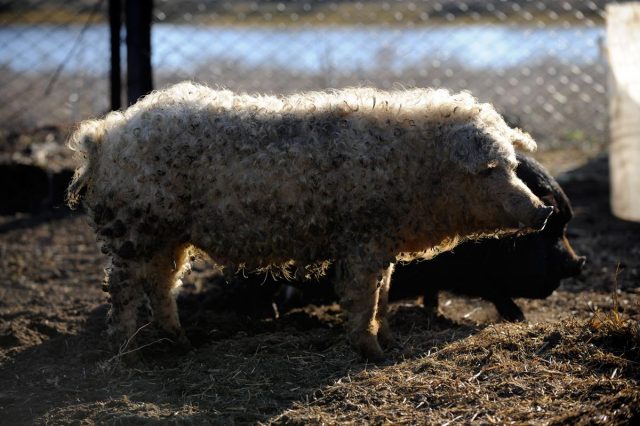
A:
(360, 176)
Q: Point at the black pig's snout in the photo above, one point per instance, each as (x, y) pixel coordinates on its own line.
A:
(540, 219)
(571, 265)
(579, 264)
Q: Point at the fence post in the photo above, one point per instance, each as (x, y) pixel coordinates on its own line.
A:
(623, 39)
(115, 24)
(138, 24)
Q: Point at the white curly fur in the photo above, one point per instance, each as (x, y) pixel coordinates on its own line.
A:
(359, 176)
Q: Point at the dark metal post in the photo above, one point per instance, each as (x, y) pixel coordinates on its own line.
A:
(115, 24)
(138, 22)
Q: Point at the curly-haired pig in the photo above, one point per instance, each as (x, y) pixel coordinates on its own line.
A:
(360, 177)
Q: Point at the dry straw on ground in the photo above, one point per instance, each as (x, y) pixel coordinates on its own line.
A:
(550, 373)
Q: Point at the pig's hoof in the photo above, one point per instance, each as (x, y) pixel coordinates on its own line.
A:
(514, 317)
(508, 310)
(385, 335)
(367, 345)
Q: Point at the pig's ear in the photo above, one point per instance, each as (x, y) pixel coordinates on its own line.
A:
(522, 140)
(472, 150)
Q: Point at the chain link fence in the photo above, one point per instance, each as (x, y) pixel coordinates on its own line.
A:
(54, 62)
(542, 63)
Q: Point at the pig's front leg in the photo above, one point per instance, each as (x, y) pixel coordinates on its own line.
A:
(508, 309)
(430, 301)
(358, 287)
(385, 335)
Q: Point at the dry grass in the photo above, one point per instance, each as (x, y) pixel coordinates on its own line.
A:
(566, 372)
(551, 373)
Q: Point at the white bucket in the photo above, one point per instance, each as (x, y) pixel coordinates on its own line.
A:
(623, 45)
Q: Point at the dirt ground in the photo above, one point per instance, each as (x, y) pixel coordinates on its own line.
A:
(575, 361)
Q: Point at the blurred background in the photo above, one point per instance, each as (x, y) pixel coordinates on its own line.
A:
(541, 62)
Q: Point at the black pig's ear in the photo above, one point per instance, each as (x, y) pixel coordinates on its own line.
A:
(522, 140)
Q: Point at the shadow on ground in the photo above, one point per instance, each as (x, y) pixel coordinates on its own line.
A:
(245, 371)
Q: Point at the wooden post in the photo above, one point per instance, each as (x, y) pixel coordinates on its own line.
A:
(138, 23)
(115, 24)
(623, 45)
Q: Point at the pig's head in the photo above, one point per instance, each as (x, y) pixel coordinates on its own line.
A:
(533, 265)
(546, 256)
(494, 199)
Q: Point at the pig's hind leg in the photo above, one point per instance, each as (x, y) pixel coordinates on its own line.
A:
(160, 275)
(144, 269)
(128, 303)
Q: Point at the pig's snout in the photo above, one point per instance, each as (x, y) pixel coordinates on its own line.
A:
(539, 219)
(573, 266)
(582, 260)
(523, 206)
(569, 264)
(579, 264)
